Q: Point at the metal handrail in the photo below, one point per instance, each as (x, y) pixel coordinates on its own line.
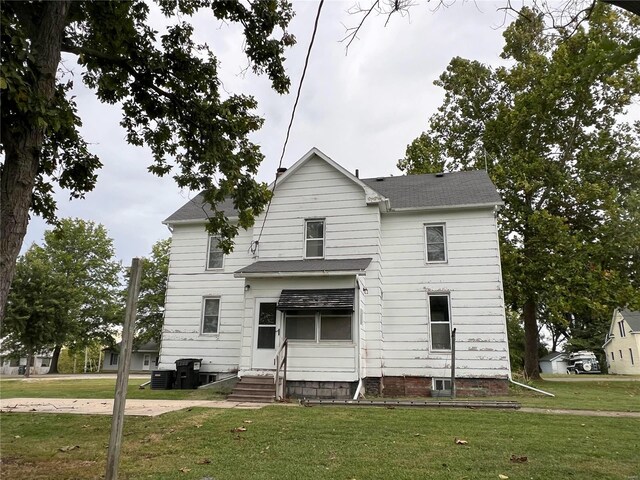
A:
(281, 394)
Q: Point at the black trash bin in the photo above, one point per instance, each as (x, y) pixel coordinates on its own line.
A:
(162, 379)
(22, 369)
(188, 373)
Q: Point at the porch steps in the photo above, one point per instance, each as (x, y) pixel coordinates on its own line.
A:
(260, 389)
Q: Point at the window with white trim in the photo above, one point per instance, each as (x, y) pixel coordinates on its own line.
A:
(620, 352)
(440, 320)
(441, 384)
(210, 315)
(436, 243)
(46, 362)
(113, 359)
(324, 326)
(314, 238)
(631, 356)
(613, 356)
(215, 255)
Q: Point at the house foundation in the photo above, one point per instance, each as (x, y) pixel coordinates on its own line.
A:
(422, 386)
(335, 390)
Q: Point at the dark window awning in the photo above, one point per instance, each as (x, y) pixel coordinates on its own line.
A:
(327, 299)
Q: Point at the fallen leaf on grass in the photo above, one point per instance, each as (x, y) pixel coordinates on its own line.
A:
(247, 421)
(238, 429)
(517, 459)
(417, 434)
(204, 461)
(16, 436)
(184, 470)
(503, 477)
(68, 448)
(198, 425)
(460, 441)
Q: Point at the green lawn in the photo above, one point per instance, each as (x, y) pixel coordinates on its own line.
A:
(591, 395)
(325, 443)
(95, 388)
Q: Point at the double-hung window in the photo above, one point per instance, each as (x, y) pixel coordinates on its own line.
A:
(324, 326)
(314, 238)
(210, 315)
(621, 327)
(436, 243)
(215, 255)
(440, 320)
(113, 359)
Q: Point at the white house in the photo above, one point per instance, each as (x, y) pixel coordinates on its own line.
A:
(11, 365)
(365, 278)
(622, 344)
(143, 357)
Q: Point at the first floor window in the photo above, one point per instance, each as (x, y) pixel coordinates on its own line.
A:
(210, 315)
(631, 356)
(46, 362)
(215, 255)
(613, 357)
(113, 360)
(440, 322)
(331, 325)
(620, 352)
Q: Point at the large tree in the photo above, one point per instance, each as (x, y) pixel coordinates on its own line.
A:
(169, 90)
(153, 288)
(82, 255)
(36, 308)
(550, 129)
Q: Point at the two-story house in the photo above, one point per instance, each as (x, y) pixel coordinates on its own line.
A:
(365, 278)
(622, 344)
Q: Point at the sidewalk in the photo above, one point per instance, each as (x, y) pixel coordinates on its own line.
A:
(147, 408)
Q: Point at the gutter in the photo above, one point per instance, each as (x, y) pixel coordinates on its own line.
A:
(324, 273)
(448, 207)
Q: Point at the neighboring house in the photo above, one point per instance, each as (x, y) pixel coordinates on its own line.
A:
(10, 365)
(622, 344)
(143, 358)
(366, 278)
(555, 362)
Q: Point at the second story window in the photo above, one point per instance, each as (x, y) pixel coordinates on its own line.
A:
(621, 327)
(215, 255)
(436, 243)
(314, 238)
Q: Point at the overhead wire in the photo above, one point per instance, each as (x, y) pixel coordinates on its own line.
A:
(254, 245)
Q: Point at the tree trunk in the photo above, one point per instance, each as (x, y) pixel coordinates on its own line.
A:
(53, 367)
(531, 368)
(27, 372)
(22, 141)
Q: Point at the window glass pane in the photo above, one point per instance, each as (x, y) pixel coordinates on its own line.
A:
(335, 327)
(315, 229)
(435, 253)
(440, 339)
(314, 248)
(210, 320)
(439, 308)
(215, 254)
(435, 235)
(267, 314)
(267, 337)
(301, 328)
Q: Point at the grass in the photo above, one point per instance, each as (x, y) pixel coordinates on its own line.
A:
(324, 443)
(95, 388)
(592, 395)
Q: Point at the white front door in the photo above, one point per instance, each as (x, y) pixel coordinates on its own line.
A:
(146, 361)
(265, 334)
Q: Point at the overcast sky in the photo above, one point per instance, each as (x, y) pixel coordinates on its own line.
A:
(361, 108)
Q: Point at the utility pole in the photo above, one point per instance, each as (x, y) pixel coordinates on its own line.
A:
(117, 421)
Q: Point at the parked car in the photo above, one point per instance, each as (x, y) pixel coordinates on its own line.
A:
(583, 361)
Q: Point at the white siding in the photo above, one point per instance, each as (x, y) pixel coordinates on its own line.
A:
(472, 279)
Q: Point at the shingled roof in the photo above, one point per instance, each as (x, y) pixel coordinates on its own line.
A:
(632, 318)
(437, 190)
(427, 191)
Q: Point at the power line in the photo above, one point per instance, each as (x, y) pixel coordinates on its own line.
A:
(254, 245)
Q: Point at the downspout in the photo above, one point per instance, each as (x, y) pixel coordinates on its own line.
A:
(529, 387)
(356, 396)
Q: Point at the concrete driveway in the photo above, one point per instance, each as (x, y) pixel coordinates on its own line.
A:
(147, 408)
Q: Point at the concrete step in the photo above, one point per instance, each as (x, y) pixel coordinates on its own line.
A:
(250, 398)
(263, 380)
(255, 386)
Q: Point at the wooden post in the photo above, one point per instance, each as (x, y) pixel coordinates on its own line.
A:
(453, 363)
(117, 421)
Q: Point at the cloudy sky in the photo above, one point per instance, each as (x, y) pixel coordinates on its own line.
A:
(360, 107)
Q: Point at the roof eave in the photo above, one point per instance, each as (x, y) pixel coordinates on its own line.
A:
(188, 221)
(449, 207)
(324, 273)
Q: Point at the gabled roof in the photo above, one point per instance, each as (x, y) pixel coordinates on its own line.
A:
(457, 189)
(405, 192)
(307, 267)
(632, 318)
(553, 356)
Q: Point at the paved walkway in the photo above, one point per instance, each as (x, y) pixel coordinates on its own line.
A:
(147, 408)
(584, 413)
